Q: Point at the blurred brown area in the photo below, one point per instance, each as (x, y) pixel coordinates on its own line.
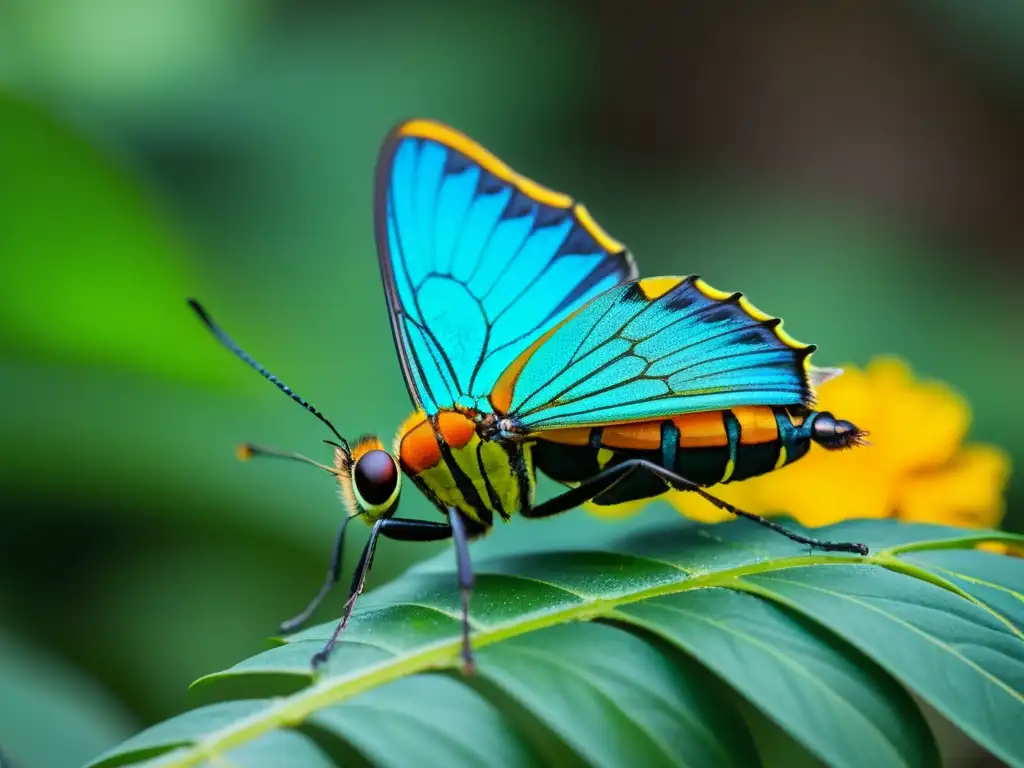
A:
(857, 102)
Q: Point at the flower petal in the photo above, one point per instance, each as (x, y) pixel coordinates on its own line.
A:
(700, 509)
(969, 492)
(915, 424)
(614, 511)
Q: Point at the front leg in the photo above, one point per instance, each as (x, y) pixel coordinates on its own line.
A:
(397, 528)
(332, 578)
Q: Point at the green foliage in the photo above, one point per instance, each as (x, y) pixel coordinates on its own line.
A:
(660, 647)
(153, 149)
(41, 695)
(75, 243)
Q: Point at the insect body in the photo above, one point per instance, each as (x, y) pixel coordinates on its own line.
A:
(708, 448)
(527, 342)
(455, 467)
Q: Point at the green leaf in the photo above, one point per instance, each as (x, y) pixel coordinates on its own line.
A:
(277, 748)
(127, 59)
(993, 579)
(93, 273)
(411, 726)
(779, 661)
(913, 628)
(185, 729)
(656, 647)
(617, 698)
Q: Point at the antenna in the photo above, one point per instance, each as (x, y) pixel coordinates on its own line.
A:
(224, 339)
(248, 451)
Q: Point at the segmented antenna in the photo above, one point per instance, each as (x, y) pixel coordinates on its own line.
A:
(247, 451)
(226, 340)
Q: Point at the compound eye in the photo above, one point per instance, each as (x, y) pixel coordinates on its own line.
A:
(376, 478)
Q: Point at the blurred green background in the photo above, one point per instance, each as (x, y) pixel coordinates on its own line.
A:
(857, 167)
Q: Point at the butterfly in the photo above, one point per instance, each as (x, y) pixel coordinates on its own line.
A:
(528, 343)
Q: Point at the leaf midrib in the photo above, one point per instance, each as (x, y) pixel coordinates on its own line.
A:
(294, 709)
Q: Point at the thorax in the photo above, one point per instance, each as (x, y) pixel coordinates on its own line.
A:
(447, 459)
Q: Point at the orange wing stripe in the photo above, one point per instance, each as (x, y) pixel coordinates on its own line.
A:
(501, 395)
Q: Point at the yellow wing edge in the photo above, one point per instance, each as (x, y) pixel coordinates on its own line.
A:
(422, 128)
(653, 288)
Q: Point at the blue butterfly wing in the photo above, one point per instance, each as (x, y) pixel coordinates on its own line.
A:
(655, 348)
(478, 262)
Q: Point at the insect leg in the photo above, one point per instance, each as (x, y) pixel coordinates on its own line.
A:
(589, 489)
(467, 581)
(333, 576)
(391, 528)
(680, 483)
(601, 482)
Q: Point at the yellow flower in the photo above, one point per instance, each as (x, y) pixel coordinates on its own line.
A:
(916, 467)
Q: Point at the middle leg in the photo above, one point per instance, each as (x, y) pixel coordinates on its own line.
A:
(608, 478)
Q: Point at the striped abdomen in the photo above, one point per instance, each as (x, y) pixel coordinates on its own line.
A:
(706, 448)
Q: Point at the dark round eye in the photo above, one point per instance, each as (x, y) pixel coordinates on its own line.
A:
(375, 475)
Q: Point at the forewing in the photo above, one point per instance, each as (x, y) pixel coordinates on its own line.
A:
(654, 348)
(478, 262)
